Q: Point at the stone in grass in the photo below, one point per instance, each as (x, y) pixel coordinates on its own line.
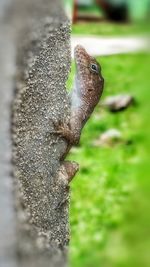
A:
(110, 138)
(118, 102)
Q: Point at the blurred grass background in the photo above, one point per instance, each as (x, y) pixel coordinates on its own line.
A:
(109, 219)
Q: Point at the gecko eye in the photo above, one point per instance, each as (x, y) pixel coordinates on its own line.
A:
(94, 68)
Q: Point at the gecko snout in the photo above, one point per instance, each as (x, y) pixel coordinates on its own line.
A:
(80, 51)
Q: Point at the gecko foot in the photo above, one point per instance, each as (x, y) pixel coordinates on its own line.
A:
(64, 130)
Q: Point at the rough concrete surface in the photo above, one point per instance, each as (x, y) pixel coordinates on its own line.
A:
(41, 192)
(43, 63)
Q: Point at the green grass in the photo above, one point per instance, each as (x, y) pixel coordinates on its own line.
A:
(110, 29)
(101, 192)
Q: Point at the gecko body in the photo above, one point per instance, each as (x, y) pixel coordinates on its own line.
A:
(88, 88)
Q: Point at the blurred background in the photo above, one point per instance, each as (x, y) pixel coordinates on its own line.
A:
(115, 10)
(109, 196)
(109, 213)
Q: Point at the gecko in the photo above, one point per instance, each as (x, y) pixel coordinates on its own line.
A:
(86, 93)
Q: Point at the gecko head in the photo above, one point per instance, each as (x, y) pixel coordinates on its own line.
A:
(88, 75)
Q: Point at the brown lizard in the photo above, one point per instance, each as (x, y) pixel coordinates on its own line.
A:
(88, 88)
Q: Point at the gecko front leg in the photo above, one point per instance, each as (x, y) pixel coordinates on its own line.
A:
(64, 130)
(69, 131)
